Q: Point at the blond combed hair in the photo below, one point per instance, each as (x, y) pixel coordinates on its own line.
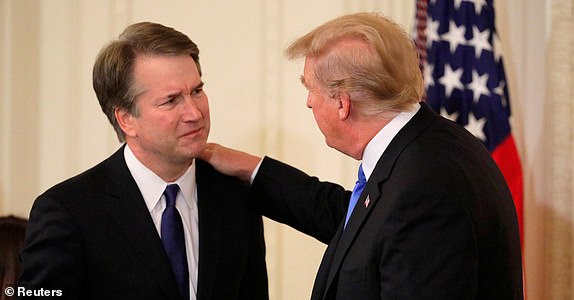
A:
(380, 72)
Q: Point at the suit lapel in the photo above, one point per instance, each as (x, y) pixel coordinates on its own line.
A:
(371, 194)
(210, 229)
(127, 208)
(365, 204)
(319, 287)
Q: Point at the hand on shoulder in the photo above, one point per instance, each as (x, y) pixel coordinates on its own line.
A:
(230, 161)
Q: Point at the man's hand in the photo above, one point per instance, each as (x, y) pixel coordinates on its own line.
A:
(229, 161)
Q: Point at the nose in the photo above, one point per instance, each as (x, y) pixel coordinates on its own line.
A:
(308, 103)
(190, 110)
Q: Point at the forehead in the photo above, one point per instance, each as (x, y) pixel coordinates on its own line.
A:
(308, 77)
(309, 66)
(151, 70)
(163, 64)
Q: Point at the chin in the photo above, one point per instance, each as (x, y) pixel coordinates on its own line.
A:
(194, 150)
(332, 145)
(190, 154)
(345, 150)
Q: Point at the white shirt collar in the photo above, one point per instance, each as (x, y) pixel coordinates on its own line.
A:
(152, 186)
(377, 146)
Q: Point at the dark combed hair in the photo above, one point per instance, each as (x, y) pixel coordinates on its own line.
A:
(113, 78)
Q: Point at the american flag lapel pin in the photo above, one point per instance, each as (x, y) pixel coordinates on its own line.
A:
(367, 201)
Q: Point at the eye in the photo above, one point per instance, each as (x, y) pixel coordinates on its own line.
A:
(197, 91)
(169, 100)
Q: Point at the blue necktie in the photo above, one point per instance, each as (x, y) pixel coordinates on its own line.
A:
(173, 240)
(357, 190)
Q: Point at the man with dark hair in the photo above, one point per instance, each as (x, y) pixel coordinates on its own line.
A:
(151, 221)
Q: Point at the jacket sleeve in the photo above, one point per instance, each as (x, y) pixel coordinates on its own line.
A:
(288, 195)
(255, 286)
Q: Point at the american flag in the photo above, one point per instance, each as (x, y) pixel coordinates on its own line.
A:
(461, 60)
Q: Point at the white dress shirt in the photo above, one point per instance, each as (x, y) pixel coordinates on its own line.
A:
(152, 187)
(378, 144)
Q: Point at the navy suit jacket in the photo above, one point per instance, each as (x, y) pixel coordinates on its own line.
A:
(439, 222)
(92, 237)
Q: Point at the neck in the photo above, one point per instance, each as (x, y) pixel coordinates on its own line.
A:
(362, 133)
(168, 169)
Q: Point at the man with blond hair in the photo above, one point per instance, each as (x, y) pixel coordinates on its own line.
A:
(430, 217)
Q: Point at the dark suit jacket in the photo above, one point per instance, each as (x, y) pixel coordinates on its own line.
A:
(440, 222)
(93, 238)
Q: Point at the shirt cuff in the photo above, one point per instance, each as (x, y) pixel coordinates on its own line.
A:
(255, 171)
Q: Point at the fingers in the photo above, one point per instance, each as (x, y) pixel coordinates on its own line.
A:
(207, 153)
(230, 161)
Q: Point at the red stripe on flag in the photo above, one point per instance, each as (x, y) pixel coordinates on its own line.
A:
(506, 156)
(421, 26)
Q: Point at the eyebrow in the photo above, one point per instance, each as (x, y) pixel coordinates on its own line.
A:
(179, 93)
(199, 86)
(172, 95)
(302, 78)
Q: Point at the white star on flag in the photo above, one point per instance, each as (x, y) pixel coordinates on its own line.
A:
(428, 78)
(478, 85)
(445, 114)
(499, 90)
(432, 31)
(480, 41)
(476, 127)
(451, 79)
(454, 36)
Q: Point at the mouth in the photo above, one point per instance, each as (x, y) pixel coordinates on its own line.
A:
(192, 132)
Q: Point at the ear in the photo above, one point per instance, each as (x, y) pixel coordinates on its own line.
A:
(344, 105)
(126, 121)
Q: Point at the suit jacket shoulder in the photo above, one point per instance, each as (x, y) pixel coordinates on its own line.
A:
(92, 237)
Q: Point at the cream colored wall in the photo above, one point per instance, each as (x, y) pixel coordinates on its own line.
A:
(51, 126)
